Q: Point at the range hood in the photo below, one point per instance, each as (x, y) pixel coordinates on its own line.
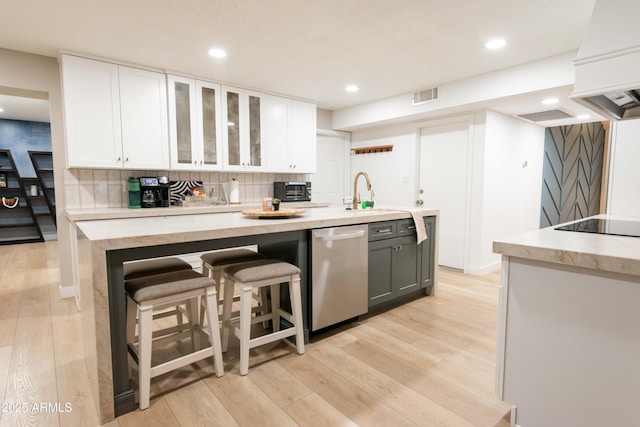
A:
(607, 68)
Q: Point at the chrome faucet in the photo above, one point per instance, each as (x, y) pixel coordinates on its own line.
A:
(356, 196)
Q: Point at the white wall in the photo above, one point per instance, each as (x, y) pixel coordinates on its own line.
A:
(510, 197)
(39, 73)
(505, 196)
(393, 174)
(624, 174)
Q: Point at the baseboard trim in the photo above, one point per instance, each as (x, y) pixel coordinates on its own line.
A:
(482, 270)
(67, 291)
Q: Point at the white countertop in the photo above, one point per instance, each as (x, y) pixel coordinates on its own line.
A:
(119, 233)
(74, 215)
(618, 254)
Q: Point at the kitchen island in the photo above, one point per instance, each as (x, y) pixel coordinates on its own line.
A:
(105, 244)
(568, 337)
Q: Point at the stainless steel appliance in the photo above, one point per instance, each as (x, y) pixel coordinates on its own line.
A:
(339, 274)
(154, 192)
(292, 191)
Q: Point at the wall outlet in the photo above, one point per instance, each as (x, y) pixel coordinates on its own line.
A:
(346, 200)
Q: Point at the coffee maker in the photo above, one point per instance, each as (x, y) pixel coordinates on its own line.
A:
(154, 192)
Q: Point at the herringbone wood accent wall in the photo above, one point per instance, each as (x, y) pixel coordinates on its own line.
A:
(572, 173)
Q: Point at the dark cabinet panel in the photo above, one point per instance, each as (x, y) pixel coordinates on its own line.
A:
(380, 272)
(428, 254)
(398, 266)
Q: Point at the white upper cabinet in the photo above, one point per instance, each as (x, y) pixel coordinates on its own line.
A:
(124, 117)
(115, 116)
(289, 135)
(195, 124)
(302, 137)
(91, 94)
(277, 112)
(143, 113)
(243, 148)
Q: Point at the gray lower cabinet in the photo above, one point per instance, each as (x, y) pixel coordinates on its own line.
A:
(398, 266)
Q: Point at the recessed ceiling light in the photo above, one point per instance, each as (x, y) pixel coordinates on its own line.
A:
(352, 88)
(583, 116)
(217, 53)
(550, 101)
(495, 44)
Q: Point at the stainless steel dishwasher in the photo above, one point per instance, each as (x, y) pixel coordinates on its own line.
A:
(339, 274)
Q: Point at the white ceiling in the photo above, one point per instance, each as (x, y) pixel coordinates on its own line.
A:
(308, 49)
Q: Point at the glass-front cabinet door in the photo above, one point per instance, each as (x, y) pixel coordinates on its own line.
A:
(243, 133)
(208, 102)
(255, 131)
(232, 127)
(194, 124)
(182, 121)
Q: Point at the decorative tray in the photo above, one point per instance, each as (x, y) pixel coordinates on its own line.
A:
(282, 213)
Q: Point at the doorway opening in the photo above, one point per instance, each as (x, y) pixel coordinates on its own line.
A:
(27, 167)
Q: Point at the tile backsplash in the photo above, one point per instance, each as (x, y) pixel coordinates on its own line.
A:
(99, 188)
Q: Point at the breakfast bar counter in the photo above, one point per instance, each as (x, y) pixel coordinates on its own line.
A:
(568, 337)
(103, 245)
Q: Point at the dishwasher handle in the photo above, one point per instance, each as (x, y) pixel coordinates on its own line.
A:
(327, 237)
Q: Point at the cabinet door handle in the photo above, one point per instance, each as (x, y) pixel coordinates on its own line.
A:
(409, 227)
(383, 230)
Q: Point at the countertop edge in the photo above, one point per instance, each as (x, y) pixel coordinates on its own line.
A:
(614, 254)
(88, 214)
(111, 234)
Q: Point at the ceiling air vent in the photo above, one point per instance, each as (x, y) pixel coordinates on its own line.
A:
(543, 116)
(423, 96)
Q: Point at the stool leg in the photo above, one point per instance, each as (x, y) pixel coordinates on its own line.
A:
(214, 329)
(264, 305)
(275, 307)
(227, 307)
(296, 308)
(219, 279)
(206, 271)
(246, 297)
(145, 327)
(192, 309)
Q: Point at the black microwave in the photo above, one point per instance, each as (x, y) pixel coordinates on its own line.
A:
(292, 191)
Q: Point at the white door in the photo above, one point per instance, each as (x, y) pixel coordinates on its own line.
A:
(444, 157)
(330, 182)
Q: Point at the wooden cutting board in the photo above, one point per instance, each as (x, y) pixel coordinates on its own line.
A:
(282, 213)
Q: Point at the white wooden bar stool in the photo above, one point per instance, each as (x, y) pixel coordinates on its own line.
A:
(149, 267)
(255, 275)
(149, 292)
(214, 262)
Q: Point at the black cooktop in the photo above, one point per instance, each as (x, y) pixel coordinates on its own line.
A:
(616, 227)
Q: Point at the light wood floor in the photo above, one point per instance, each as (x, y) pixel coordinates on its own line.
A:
(430, 362)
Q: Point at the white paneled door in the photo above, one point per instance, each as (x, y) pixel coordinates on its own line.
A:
(444, 155)
(330, 182)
